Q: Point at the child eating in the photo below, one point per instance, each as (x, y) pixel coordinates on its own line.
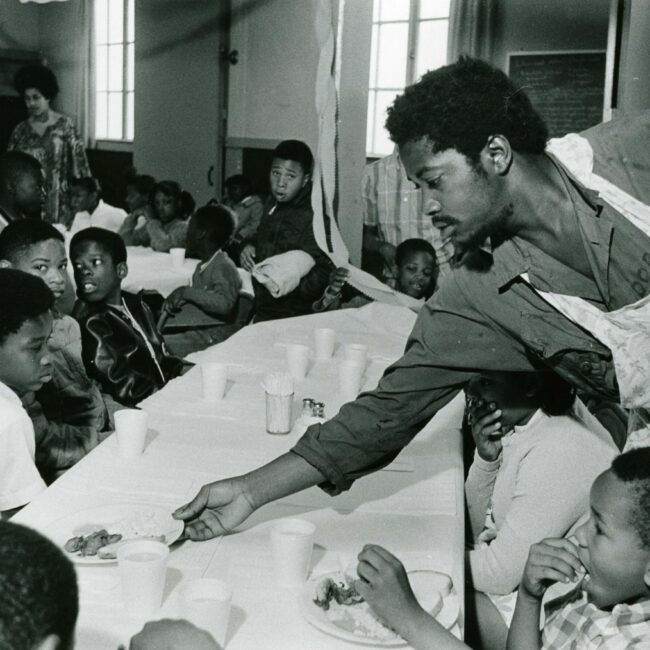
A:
(415, 272)
(609, 607)
(122, 348)
(287, 225)
(197, 316)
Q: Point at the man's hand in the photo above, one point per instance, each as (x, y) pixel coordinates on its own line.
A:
(338, 278)
(487, 431)
(172, 635)
(552, 560)
(386, 588)
(216, 510)
(247, 257)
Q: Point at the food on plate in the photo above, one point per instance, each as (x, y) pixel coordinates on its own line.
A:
(328, 590)
(109, 552)
(87, 545)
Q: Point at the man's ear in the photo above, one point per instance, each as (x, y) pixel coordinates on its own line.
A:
(5, 264)
(50, 642)
(306, 179)
(122, 270)
(497, 154)
(646, 575)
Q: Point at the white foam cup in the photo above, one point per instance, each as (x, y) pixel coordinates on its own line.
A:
(178, 257)
(325, 341)
(298, 360)
(356, 352)
(292, 541)
(143, 568)
(215, 379)
(206, 603)
(350, 375)
(130, 431)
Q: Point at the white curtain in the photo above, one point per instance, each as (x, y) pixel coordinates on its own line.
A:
(82, 90)
(471, 29)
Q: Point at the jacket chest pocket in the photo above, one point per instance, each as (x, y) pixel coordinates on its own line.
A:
(572, 352)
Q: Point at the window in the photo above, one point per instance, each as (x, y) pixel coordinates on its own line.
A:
(114, 67)
(409, 37)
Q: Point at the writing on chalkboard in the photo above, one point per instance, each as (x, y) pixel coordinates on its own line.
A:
(567, 88)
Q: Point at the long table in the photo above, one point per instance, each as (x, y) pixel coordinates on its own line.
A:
(414, 507)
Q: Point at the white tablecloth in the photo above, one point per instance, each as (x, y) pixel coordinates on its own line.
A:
(414, 507)
(149, 269)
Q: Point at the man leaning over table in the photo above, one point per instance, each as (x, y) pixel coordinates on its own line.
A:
(471, 140)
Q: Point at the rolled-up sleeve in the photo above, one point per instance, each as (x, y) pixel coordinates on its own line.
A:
(449, 343)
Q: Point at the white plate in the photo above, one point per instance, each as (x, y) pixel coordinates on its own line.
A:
(115, 519)
(446, 612)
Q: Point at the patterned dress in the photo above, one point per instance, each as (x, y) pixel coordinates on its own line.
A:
(61, 152)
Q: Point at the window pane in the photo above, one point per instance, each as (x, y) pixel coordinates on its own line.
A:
(129, 116)
(129, 67)
(101, 21)
(131, 21)
(394, 9)
(116, 21)
(375, 11)
(373, 56)
(382, 144)
(100, 115)
(101, 67)
(432, 46)
(370, 125)
(114, 131)
(393, 45)
(115, 70)
(434, 8)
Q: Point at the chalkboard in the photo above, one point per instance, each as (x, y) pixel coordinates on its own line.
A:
(567, 88)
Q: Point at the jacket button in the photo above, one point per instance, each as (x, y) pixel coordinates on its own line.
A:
(585, 366)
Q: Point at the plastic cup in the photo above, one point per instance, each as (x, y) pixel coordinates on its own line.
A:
(206, 603)
(292, 541)
(298, 360)
(131, 432)
(278, 413)
(325, 341)
(356, 352)
(350, 374)
(178, 257)
(143, 567)
(215, 379)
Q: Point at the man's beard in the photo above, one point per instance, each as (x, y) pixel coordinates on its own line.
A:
(470, 252)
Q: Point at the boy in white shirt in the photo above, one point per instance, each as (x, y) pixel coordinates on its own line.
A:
(25, 325)
(90, 209)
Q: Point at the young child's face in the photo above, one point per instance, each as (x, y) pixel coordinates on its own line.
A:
(47, 260)
(415, 275)
(82, 200)
(135, 199)
(610, 548)
(166, 207)
(97, 277)
(287, 179)
(24, 356)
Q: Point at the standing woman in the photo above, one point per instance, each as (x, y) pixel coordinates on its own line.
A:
(51, 138)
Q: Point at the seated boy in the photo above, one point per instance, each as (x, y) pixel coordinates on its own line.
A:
(415, 273)
(25, 325)
(122, 348)
(610, 605)
(68, 413)
(200, 315)
(139, 188)
(89, 208)
(287, 225)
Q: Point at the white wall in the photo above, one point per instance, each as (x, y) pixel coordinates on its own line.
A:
(634, 68)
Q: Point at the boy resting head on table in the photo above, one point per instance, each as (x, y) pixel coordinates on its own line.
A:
(609, 608)
(39, 600)
(202, 314)
(25, 325)
(69, 413)
(121, 346)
